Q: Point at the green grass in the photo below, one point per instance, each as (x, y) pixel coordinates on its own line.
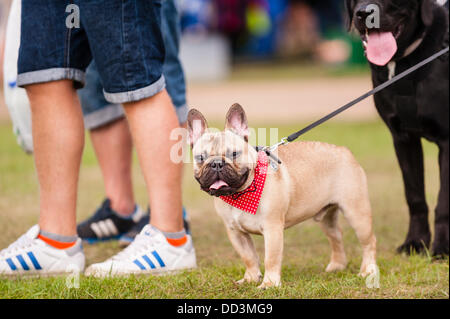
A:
(306, 249)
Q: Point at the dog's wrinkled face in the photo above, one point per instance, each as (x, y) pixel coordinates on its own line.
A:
(401, 22)
(223, 161)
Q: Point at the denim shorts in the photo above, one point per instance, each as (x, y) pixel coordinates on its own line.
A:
(122, 36)
(98, 111)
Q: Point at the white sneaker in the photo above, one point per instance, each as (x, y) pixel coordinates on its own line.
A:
(149, 253)
(31, 256)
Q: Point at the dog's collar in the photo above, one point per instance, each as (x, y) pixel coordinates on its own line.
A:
(410, 49)
(248, 200)
(413, 47)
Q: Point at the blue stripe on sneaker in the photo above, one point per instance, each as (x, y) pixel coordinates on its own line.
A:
(11, 264)
(154, 253)
(152, 265)
(22, 262)
(138, 263)
(34, 261)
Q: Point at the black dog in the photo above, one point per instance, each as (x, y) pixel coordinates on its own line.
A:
(417, 106)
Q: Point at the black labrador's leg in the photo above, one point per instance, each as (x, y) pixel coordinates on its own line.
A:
(440, 244)
(410, 157)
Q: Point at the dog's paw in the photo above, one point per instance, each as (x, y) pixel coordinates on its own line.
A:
(240, 282)
(369, 270)
(334, 266)
(371, 273)
(248, 278)
(269, 284)
(417, 246)
(440, 251)
(440, 244)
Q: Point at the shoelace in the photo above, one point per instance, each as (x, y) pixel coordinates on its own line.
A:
(23, 242)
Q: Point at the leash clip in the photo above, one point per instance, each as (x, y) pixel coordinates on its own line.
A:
(275, 161)
(283, 141)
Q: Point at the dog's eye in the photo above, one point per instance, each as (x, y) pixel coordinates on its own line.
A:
(233, 155)
(200, 158)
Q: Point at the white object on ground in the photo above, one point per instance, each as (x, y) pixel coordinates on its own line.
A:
(16, 98)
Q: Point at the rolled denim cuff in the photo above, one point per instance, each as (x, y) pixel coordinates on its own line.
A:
(136, 95)
(103, 116)
(49, 75)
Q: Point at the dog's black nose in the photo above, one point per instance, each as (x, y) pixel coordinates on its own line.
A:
(362, 13)
(217, 164)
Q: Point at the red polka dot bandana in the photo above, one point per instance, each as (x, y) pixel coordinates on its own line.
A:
(248, 199)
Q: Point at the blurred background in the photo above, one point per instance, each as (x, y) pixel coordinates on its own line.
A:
(229, 45)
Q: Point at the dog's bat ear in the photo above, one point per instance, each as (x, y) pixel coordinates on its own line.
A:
(426, 12)
(348, 16)
(236, 121)
(197, 125)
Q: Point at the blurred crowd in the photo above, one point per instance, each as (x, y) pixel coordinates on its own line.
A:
(265, 29)
(311, 29)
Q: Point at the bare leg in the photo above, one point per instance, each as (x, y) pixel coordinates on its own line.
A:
(331, 228)
(151, 121)
(243, 244)
(113, 146)
(58, 137)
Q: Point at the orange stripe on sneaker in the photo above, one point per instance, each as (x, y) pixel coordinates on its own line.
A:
(55, 243)
(177, 242)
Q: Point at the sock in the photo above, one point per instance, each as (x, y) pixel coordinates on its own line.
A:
(176, 239)
(57, 241)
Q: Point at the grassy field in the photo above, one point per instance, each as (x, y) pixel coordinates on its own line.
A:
(306, 248)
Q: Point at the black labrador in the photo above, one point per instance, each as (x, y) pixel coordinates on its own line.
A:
(407, 32)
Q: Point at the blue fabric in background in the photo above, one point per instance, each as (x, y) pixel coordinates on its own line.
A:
(264, 45)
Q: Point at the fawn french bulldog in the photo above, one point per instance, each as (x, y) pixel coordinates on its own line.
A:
(315, 180)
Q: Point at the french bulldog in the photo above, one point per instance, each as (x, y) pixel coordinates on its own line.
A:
(315, 180)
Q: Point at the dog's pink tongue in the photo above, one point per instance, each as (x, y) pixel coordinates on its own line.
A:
(381, 47)
(218, 184)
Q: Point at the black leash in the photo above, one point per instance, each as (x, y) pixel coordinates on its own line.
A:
(396, 78)
(294, 136)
